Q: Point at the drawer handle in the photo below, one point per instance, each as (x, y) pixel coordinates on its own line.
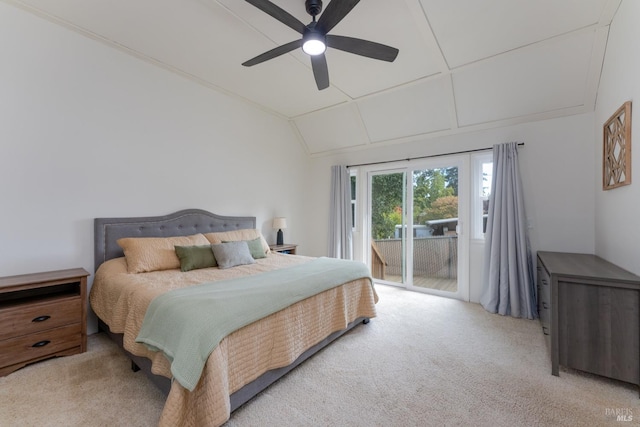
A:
(544, 282)
(545, 330)
(41, 318)
(41, 343)
(544, 305)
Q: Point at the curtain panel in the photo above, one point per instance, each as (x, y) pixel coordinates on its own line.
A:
(340, 237)
(508, 266)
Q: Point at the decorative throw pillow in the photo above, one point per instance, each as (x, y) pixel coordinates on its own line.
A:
(237, 235)
(194, 257)
(255, 247)
(231, 254)
(145, 254)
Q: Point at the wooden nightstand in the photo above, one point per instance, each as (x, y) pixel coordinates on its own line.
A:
(42, 315)
(287, 248)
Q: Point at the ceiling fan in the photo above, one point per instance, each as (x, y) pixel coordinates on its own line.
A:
(315, 39)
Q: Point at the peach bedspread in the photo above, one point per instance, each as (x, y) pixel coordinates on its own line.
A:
(120, 299)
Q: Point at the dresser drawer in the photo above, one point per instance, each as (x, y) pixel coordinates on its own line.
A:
(544, 301)
(545, 282)
(544, 274)
(39, 344)
(544, 292)
(23, 319)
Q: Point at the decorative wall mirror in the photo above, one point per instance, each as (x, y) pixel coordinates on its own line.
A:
(616, 149)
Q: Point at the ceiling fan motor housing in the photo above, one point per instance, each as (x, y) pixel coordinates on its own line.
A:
(314, 7)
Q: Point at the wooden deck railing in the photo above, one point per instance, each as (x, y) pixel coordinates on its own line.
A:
(435, 256)
(378, 264)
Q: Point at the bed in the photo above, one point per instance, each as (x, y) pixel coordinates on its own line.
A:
(247, 360)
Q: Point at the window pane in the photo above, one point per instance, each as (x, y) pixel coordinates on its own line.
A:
(353, 187)
(353, 202)
(387, 226)
(435, 220)
(482, 179)
(487, 178)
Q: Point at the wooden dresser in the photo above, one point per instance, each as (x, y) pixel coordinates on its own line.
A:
(42, 315)
(590, 314)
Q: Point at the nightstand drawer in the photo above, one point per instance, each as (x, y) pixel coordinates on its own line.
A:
(287, 248)
(27, 318)
(40, 344)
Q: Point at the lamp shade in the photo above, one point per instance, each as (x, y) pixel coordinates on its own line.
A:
(279, 223)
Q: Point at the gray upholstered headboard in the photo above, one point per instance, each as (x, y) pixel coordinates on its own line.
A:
(182, 223)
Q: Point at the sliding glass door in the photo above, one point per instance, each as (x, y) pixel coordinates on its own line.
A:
(416, 222)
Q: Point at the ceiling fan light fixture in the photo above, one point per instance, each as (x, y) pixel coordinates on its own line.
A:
(314, 47)
(313, 42)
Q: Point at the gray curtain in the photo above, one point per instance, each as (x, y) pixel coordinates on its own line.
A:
(508, 267)
(340, 239)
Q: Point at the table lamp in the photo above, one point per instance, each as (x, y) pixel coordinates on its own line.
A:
(279, 223)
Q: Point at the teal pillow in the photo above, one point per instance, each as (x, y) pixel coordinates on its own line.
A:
(194, 257)
(255, 248)
(231, 254)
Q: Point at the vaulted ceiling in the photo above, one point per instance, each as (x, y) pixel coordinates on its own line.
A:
(463, 64)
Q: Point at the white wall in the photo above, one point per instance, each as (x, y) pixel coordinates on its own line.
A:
(87, 131)
(557, 173)
(617, 211)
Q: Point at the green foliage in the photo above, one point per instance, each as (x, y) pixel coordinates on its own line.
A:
(442, 208)
(390, 220)
(451, 176)
(429, 187)
(387, 191)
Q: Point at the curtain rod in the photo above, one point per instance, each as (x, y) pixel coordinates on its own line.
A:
(520, 144)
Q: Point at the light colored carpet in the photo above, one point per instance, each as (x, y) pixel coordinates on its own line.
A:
(424, 361)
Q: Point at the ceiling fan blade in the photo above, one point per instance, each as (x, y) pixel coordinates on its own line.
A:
(280, 50)
(334, 13)
(320, 71)
(280, 14)
(363, 47)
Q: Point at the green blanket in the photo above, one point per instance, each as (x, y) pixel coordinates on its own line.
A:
(187, 324)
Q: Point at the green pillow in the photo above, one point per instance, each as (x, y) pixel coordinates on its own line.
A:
(194, 257)
(255, 247)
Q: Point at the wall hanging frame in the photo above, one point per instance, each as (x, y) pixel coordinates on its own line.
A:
(616, 149)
